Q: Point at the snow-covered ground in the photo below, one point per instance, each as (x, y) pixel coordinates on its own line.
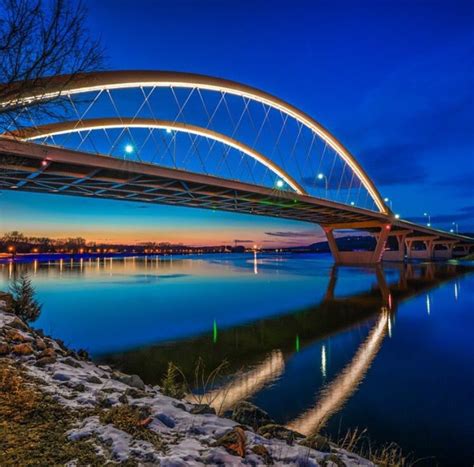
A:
(190, 439)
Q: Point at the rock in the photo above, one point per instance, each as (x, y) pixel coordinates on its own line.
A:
(71, 362)
(4, 348)
(130, 380)
(179, 405)
(79, 387)
(104, 401)
(93, 380)
(15, 336)
(58, 376)
(202, 409)
(273, 430)
(123, 399)
(48, 352)
(262, 451)
(19, 324)
(166, 420)
(331, 460)
(317, 442)
(22, 349)
(249, 414)
(135, 393)
(39, 344)
(45, 361)
(233, 442)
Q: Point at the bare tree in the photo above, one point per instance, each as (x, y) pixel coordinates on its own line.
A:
(41, 39)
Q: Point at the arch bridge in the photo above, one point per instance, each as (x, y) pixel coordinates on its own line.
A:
(198, 141)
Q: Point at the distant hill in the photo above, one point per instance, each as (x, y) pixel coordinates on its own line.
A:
(348, 243)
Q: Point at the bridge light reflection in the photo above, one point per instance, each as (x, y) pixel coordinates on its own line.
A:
(323, 361)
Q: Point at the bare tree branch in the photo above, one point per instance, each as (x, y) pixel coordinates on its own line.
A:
(41, 39)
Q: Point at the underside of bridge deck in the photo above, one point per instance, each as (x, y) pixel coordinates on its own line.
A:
(48, 169)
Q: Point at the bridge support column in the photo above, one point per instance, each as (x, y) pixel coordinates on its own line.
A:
(426, 254)
(443, 254)
(399, 254)
(358, 257)
(461, 250)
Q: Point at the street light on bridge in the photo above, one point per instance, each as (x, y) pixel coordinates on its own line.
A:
(428, 215)
(280, 183)
(128, 148)
(321, 176)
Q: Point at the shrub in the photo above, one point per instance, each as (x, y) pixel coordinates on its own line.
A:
(23, 302)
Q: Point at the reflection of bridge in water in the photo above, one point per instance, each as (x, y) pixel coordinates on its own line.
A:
(198, 141)
(257, 351)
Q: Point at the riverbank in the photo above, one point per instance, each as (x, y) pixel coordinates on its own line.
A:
(58, 407)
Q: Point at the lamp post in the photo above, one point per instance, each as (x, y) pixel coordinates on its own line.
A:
(128, 150)
(428, 215)
(455, 227)
(389, 201)
(321, 176)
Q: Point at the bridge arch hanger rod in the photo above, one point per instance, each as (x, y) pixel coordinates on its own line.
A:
(109, 80)
(77, 126)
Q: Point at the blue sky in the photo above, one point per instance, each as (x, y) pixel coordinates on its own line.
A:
(394, 81)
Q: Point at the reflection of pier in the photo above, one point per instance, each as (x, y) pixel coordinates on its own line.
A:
(246, 384)
(336, 393)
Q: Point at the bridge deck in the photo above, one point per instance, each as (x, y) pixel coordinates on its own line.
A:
(48, 169)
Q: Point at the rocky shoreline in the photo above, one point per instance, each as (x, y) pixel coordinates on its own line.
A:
(105, 416)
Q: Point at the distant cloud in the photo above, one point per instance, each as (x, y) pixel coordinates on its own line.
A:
(383, 163)
(243, 241)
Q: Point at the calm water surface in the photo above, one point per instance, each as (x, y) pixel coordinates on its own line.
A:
(316, 346)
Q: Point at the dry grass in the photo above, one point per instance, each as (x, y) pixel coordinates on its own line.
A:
(387, 455)
(33, 426)
(131, 420)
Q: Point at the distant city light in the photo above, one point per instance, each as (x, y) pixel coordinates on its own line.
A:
(128, 148)
(280, 183)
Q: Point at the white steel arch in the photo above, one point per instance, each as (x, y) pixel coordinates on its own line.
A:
(66, 85)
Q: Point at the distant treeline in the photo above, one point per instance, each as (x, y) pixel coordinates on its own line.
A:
(18, 243)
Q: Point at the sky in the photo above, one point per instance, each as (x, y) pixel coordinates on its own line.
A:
(393, 80)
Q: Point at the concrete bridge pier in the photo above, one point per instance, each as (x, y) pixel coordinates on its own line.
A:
(446, 252)
(399, 253)
(426, 253)
(358, 257)
(460, 250)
